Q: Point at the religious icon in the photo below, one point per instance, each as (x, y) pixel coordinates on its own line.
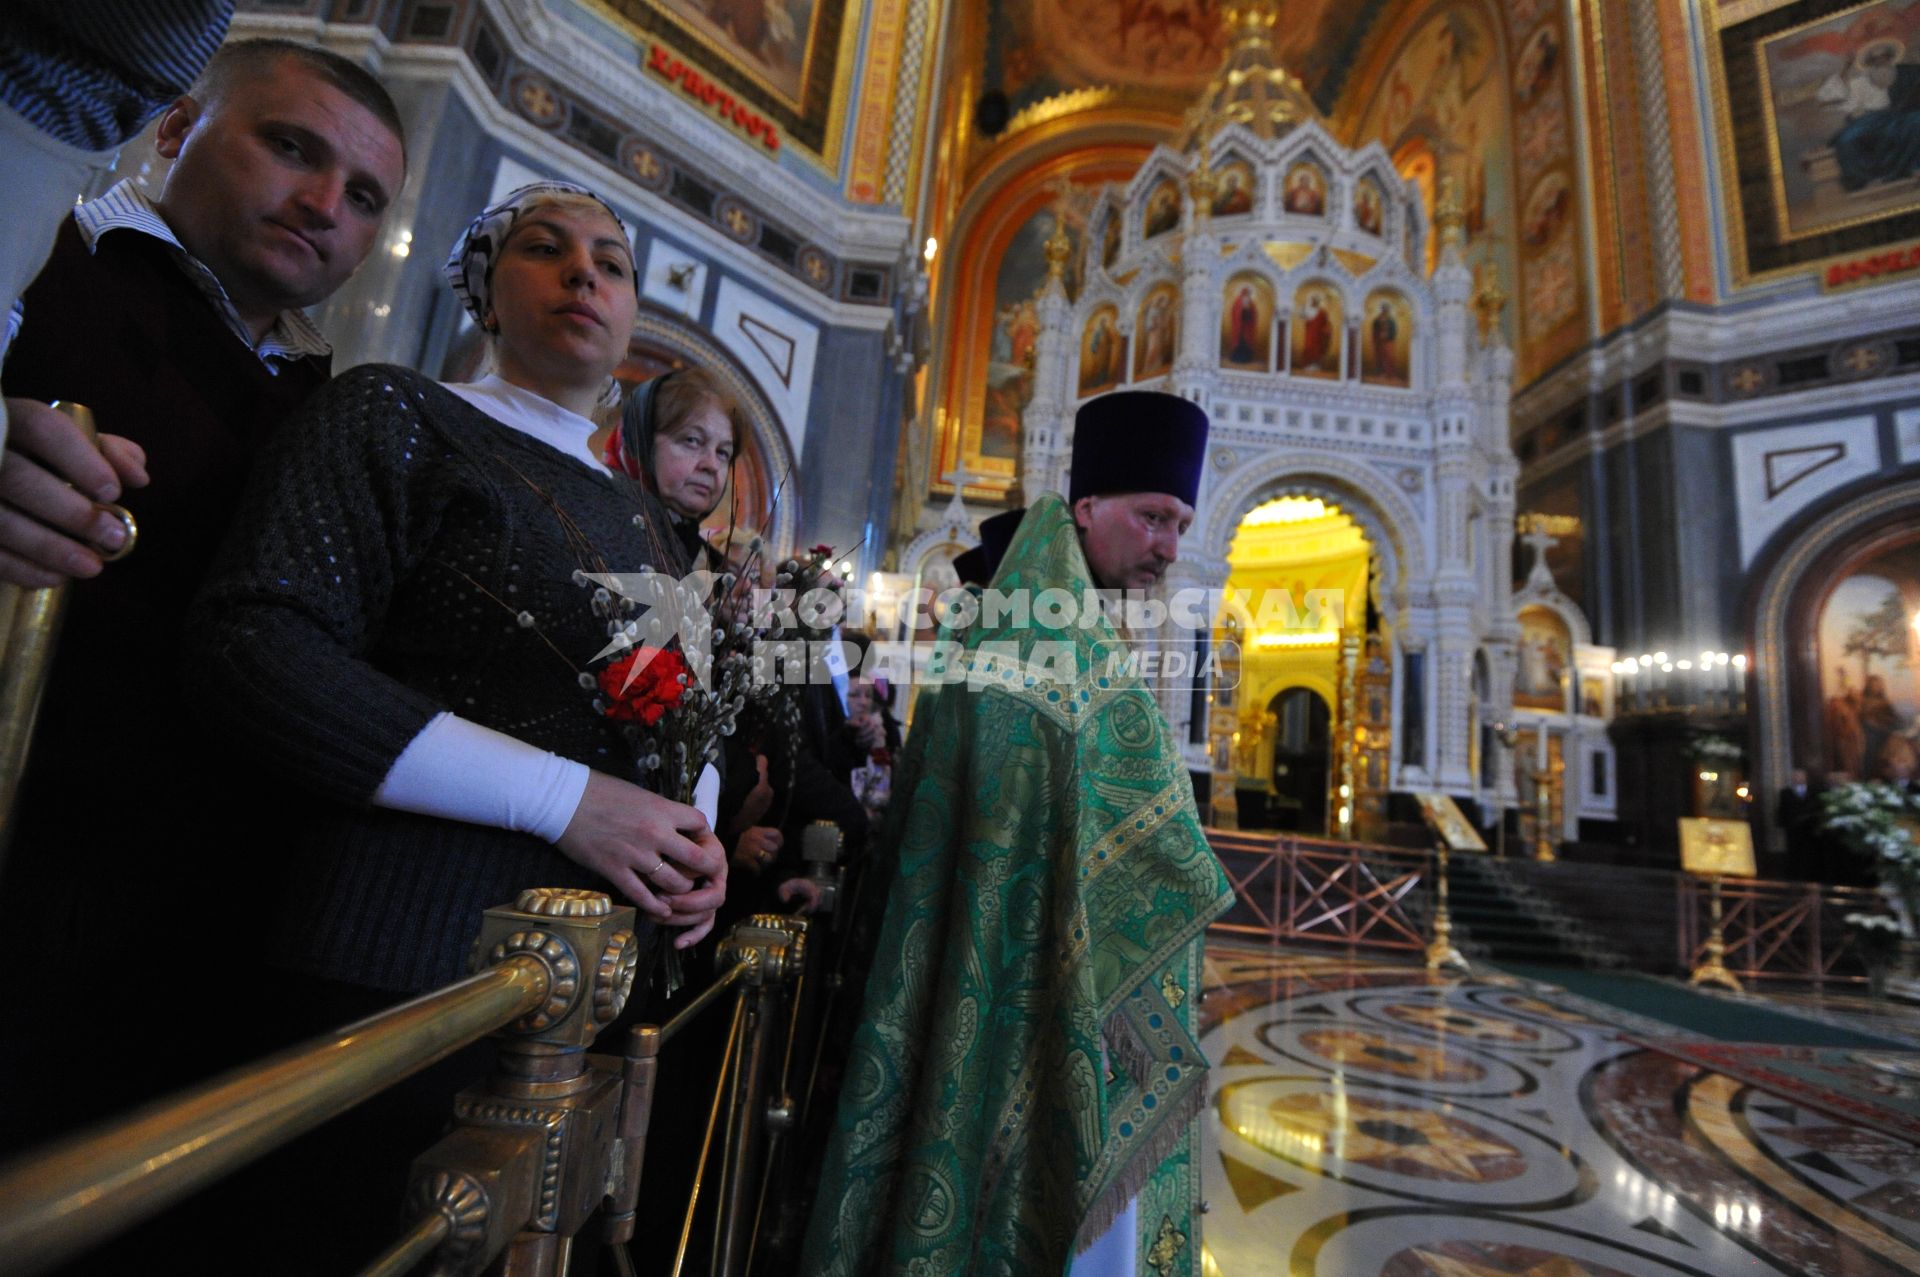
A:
(1367, 204)
(986, 440)
(1016, 335)
(1305, 190)
(1843, 106)
(1153, 335)
(1318, 323)
(1110, 239)
(1538, 62)
(1234, 193)
(1246, 320)
(1716, 848)
(1163, 209)
(1102, 352)
(1545, 657)
(1869, 695)
(769, 39)
(1547, 209)
(1593, 696)
(1448, 822)
(1386, 340)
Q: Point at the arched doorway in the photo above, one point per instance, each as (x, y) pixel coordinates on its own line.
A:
(1298, 581)
(1302, 761)
(1836, 643)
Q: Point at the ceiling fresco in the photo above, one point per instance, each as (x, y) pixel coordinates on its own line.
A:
(1156, 48)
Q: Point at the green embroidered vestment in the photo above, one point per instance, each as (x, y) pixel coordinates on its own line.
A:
(1026, 1061)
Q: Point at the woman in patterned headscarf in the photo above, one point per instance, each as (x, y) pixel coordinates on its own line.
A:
(404, 622)
(400, 641)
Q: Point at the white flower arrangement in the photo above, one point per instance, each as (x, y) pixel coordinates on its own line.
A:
(1876, 820)
(1875, 935)
(1876, 924)
(1715, 749)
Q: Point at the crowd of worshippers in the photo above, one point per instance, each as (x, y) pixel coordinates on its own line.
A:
(336, 704)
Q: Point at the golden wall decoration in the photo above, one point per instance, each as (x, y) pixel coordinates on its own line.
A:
(1484, 90)
(1689, 143)
(867, 165)
(793, 60)
(1287, 255)
(997, 264)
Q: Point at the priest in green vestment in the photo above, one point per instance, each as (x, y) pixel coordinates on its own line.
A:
(1021, 1094)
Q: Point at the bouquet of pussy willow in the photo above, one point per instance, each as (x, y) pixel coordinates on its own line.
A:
(676, 682)
(786, 623)
(819, 592)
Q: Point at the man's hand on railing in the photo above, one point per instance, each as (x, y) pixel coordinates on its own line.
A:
(757, 847)
(51, 530)
(657, 853)
(802, 893)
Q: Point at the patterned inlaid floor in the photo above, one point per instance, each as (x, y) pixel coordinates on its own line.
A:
(1367, 1119)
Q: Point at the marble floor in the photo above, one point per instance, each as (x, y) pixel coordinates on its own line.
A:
(1368, 1118)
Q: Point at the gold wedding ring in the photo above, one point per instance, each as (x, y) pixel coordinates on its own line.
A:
(82, 416)
(125, 516)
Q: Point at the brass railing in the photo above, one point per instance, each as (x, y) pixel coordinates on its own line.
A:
(29, 631)
(553, 1138)
(1774, 930)
(93, 1186)
(1322, 892)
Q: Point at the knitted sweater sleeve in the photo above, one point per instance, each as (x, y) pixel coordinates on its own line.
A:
(340, 508)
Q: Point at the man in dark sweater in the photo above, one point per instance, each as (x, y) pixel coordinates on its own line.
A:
(184, 333)
(178, 321)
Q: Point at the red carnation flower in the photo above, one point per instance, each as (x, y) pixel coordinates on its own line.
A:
(644, 684)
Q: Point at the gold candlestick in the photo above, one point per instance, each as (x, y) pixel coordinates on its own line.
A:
(1714, 969)
(1543, 816)
(1440, 950)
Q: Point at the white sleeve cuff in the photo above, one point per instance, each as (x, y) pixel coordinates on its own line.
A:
(706, 795)
(459, 770)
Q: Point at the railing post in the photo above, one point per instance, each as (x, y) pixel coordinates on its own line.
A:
(1683, 922)
(1286, 889)
(775, 947)
(1816, 953)
(537, 1144)
(636, 1111)
(1360, 877)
